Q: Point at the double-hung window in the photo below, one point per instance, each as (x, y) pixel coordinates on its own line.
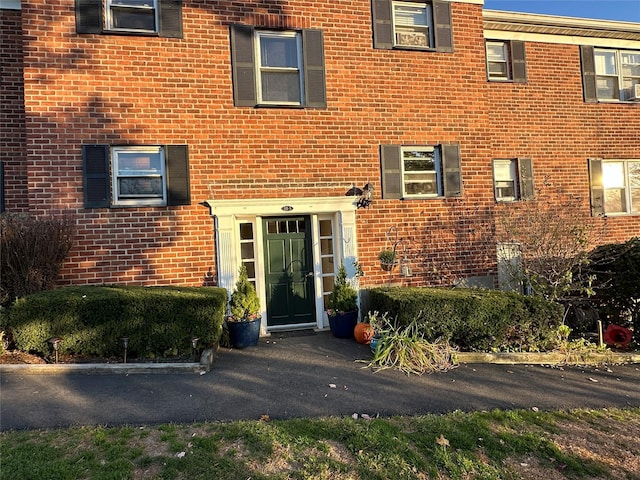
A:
(412, 24)
(513, 179)
(133, 176)
(610, 75)
(420, 171)
(498, 66)
(506, 61)
(615, 186)
(161, 18)
(132, 15)
(279, 78)
(277, 68)
(138, 175)
(415, 25)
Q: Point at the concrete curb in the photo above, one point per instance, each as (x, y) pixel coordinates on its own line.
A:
(544, 358)
(204, 366)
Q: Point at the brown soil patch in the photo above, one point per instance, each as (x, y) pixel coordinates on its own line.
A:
(617, 447)
(15, 356)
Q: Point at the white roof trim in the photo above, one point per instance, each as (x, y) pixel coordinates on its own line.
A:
(562, 39)
(559, 26)
(10, 5)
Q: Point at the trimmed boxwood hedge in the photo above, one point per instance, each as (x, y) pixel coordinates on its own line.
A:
(92, 320)
(474, 319)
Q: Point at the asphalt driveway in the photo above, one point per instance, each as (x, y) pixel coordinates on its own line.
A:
(302, 376)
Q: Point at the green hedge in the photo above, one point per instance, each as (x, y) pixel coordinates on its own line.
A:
(474, 319)
(159, 321)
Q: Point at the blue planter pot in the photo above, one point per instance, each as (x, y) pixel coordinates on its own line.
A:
(342, 325)
(374, 343)
(244, 334)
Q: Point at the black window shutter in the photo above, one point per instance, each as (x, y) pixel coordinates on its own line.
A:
(382, 27)
(597, 186)
(96, 176)
(243, 68)
(170, 15)
(588, 73)
(518, 62)
(391, 172)
(89, 16)
(525, 178)
(314, 76)
(177, 167)
(452, 171)
(442, 24)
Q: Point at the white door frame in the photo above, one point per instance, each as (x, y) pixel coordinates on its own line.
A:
(227, 214)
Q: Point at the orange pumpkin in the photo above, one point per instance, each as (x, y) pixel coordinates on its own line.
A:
(363, 333)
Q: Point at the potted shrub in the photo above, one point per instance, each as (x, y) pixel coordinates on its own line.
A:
(243, 320)
(387, 259)
(342, 306)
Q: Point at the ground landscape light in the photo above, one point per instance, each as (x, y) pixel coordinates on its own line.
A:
(55, 342)
(125, 343)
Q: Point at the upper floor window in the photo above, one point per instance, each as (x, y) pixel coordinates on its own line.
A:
(506, 61)
(139, 17)
(132, 15)
(610, 75)
(277, 68)
(513, 179)
(412, 25)
(615, 186)
(279, 75)
(152, 175)
(420, 171)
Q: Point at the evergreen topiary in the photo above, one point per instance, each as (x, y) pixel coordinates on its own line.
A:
(244, 304)
(343, 298)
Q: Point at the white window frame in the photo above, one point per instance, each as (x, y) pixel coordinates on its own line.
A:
(254, 247)
(427, 29)
(620, 181)
(112, 5)
(328, 256)
(116, 174)
(406, 175)
(623, 83)
(504, 59)
(260, 69)
(512, 165)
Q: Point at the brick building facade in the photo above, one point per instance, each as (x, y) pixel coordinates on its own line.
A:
(187, 137)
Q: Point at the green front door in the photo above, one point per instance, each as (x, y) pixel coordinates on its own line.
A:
(289, 271)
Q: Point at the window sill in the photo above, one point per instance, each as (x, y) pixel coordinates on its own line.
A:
(632, 102)
(280, 105)
(423, 197)
(130, 33)
(621, 214)
(415, 49)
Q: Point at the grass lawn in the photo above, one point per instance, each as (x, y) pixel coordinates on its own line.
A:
(580, 444)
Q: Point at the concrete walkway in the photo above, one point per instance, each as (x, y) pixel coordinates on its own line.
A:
(301, 376)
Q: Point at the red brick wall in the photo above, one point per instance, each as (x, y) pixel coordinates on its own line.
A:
(12, 127)
(127, 89)
(547, 120)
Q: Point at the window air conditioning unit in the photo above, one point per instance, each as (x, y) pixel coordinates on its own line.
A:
(635, 92)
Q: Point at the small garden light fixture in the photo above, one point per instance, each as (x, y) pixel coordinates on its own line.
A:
(194, 346)
(55, 342)
(125, 343)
